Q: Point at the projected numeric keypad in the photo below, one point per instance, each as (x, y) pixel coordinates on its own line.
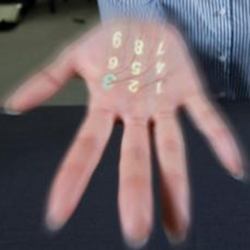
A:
(136, 66)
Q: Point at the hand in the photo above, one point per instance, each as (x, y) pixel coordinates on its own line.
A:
(141, 74)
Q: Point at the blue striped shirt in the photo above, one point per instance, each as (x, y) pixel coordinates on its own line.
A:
(218, 32)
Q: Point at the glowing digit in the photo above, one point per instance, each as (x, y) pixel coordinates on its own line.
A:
(160, 50)
(159, 87)
(117, 39)
(160, 67)
(133, 86)
(108, 81)
(113, 63)
(139, 46)
(136, 68)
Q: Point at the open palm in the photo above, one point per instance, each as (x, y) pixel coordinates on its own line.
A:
(141, 74)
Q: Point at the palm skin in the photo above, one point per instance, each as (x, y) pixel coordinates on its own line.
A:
(144, 96)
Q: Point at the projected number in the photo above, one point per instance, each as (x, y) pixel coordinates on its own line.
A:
(108, 81)
(160, 50)
(139, 46)
(133, 86)
(159, 87)
(117, 39)
(160, 66)
(136, 68)
(113, 63)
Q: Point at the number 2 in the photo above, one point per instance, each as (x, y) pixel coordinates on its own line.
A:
(133, 86)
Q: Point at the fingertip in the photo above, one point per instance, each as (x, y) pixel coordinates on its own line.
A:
(133, 243)
(136, 235)
(178, 232)
(52, 224)
(242, 176)
(240, 171)
(54, 218)
(8, 110)
(176, 239)
(239, 176)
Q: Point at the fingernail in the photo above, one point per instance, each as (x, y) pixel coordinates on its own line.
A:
(241, 176)
(8, 111)
(239, 172)
(54, 219)
(135, 244)
(238, 162)
(176, 239)
(53, 224)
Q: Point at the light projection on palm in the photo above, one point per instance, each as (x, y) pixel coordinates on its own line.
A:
(111, 79)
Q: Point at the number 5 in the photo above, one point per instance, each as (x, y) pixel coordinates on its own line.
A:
(136, 68)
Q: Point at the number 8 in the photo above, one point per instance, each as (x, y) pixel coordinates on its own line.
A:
(139, 46)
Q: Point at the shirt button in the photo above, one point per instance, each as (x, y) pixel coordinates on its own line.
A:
(222, 94)
(223, 58)
(222, 11)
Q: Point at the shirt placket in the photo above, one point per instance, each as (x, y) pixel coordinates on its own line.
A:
(223, 14)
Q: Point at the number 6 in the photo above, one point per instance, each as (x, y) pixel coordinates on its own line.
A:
(113, 63)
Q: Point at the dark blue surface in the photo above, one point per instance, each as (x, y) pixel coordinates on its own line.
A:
(31, 147)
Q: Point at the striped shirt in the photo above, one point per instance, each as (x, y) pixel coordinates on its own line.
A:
(218, 32)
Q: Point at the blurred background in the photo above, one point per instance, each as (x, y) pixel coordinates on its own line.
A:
(32, 32)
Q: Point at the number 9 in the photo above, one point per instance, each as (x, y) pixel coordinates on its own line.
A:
(117, 39)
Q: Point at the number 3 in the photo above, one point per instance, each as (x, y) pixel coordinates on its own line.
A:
(108, 81)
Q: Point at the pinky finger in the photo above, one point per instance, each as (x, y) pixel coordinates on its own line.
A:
(213, 125)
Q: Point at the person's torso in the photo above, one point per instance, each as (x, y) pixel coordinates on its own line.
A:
(218, 31)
